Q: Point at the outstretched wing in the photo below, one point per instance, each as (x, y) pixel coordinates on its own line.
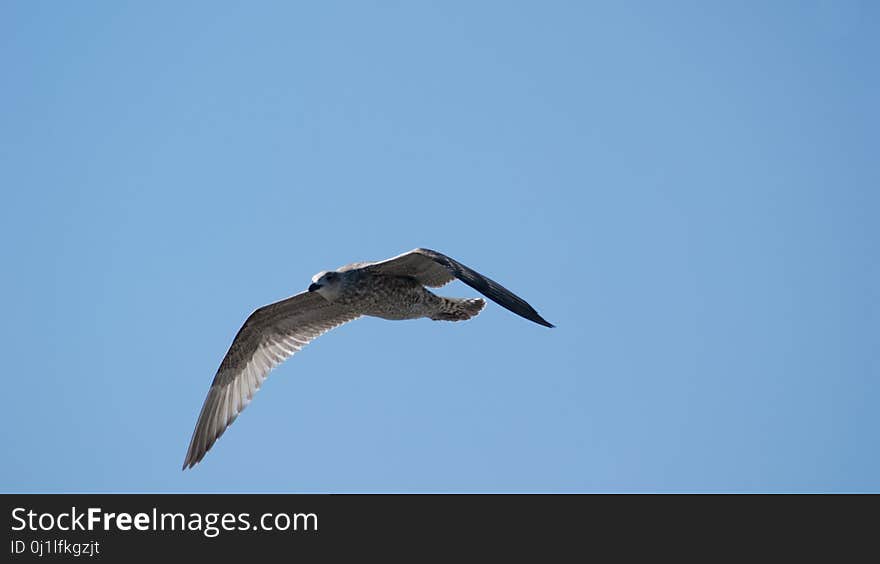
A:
(270, 335)
(434, 269)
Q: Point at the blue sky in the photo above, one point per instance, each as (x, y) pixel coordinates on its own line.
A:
(688, 190)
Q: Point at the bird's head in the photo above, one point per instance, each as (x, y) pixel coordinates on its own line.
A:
(328, 283)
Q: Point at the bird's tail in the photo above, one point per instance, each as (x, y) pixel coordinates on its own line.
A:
(458, 309)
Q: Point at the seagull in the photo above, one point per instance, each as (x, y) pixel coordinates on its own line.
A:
(396, 288)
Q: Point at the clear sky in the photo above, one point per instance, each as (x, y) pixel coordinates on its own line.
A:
(688, 190)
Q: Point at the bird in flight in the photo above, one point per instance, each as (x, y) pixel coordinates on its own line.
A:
(396, 288)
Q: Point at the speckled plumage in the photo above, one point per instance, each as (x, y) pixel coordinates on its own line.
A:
(394, 289)
(392, 297)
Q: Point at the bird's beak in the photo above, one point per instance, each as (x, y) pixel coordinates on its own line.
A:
(314, 287)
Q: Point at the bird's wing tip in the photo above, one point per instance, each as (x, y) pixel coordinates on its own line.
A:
(189, 462)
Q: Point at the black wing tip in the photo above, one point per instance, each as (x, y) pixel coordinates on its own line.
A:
(188, 463)
(193, 457)
(191, 462)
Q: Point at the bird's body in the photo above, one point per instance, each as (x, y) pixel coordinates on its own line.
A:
(395, 298)
(394, 289)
